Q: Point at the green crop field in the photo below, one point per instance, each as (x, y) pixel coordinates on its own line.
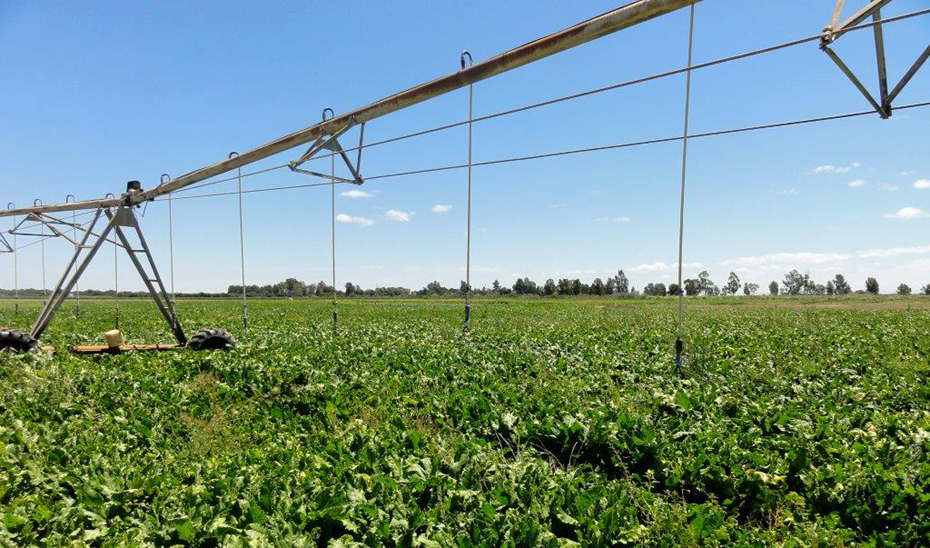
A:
(553, 423)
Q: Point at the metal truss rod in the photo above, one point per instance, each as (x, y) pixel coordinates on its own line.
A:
(124, 217)
(837, 12)
(245, 301)
(10, 205)
(117, 220)
(74, 227)
(68, 280)
(852, 78)
(471, 103)
(597, 27)
(855, 19)
(880, 58)
(910, 74)
(679, 341)
(613, 21)
(165, 177)
(594, 91)
(629, 144)
(548, 102)
(306, 135)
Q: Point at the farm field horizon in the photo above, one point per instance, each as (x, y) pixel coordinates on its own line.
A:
(498, 275)
(554, 422)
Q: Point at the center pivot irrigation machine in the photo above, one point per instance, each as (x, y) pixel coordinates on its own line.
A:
(121, 222)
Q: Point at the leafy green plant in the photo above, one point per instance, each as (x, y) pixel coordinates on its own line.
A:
(552, 423)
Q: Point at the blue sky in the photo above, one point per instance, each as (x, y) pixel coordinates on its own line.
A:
(100, 93)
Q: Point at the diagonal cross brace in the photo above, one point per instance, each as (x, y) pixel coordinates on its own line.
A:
(39, 218)
(909, 74)
(84, 254)
(833, 31)
(331, 143)
(52, 223)
(852, 78)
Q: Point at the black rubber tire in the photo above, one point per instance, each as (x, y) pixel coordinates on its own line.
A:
(17, 341)
(211, 339)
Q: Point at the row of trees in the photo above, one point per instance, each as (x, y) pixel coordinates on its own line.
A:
(794, 283)
(293, 287)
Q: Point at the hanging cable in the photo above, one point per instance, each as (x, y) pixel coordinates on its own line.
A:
(37, 202)
(679, 342)
(569, 152)
(115, 269)
(77, 287)
(594, 91)
(11, 205)
(228, 179)
(585, 93)
(471, 96)
(577, 95)
(245, 304)
(164, 179)
(332, 184)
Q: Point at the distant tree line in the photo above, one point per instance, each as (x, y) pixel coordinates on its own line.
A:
(33, 293)
(794, 283)
(293, 287)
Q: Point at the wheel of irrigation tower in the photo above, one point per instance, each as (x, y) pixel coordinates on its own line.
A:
(17, 341)
(211, 339)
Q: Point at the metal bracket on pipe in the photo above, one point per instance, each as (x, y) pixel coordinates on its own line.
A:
(51, 222)
(883, 105)
(331, 143)
(55, 225)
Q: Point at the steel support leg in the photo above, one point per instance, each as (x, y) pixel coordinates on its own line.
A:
(68, 280)
(124, 217)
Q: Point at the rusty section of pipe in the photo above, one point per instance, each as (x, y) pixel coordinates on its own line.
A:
(586, 31)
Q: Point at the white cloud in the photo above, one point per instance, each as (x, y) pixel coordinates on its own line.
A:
(399, 216)
(906, 173)
(802, 259)
(612, 220)
(791, 192)
(355, 193)
(857, 183)
(662, 267)
(829, 168)
(907, 214)
(441, 208)
(893, 252)
(558, 206)
(360, 221)
(922, 184)
(889, 188)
